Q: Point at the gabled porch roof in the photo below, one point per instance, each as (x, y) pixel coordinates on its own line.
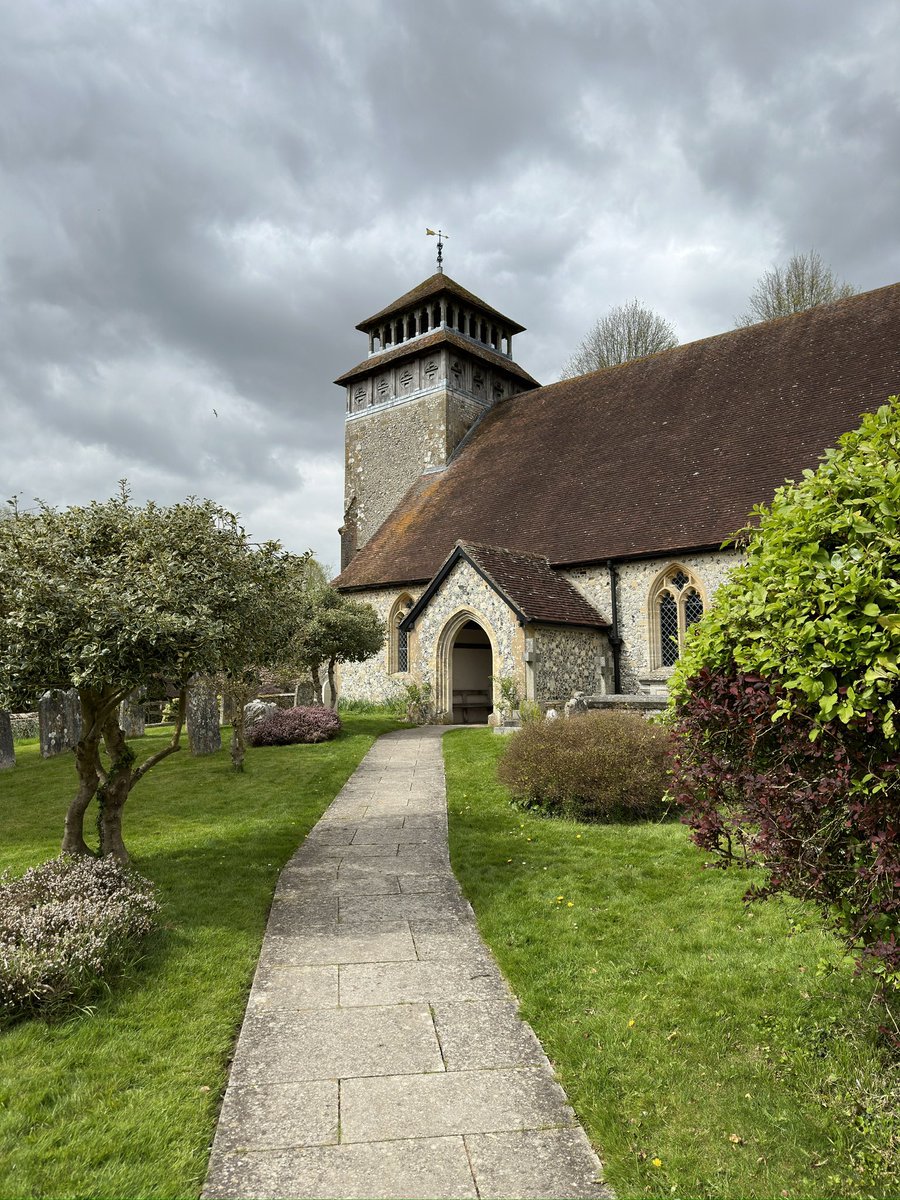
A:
(526, 582)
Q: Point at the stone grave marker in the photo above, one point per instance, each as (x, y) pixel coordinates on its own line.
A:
(7, 748)
(132, 720)
(204, 734)
(59, 714)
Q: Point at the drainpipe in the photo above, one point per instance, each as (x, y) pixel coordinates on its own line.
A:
(615, 640)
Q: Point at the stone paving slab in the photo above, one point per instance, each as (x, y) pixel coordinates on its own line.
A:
(334, 944)
(336, 1043)
(396, 864)
(405, 907)
(273, 1116)
(485, 1035)
(382, 1053)
(535, 1163)
(418, 1169)
(291, 910)
(445, 884)
(445, 939)
(403, 983)
(395, 1106)
(293, 988)
(372, 884)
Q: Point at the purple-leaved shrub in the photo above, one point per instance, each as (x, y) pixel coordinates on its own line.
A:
(290, 726)
(65, 926)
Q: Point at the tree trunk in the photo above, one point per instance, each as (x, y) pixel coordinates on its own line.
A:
(237, 697)
(86, 765)
(332, 686)
(317, 684)
(113, 792)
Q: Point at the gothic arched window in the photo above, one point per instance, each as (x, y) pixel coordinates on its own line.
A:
(676, 603)
(398, 639)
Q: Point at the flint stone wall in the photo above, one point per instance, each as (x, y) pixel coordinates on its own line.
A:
(636, 580)
(7, 748)
(59, 717)
(568, 660)
(565, 661)
(371, 680)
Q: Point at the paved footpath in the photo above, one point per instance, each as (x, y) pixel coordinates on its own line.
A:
(382, 1054)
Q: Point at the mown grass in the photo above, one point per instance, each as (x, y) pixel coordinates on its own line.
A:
(710, 1049)
(121, 1098)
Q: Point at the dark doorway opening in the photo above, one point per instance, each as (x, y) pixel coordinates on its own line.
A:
(472, 666)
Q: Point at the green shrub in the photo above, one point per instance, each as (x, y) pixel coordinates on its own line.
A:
(66, 926)
(786, 700)
(602, 766)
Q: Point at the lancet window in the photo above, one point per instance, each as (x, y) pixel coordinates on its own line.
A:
(676, 603)
(398, 644)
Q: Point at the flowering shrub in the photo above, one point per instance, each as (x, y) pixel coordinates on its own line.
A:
(288, 726)
(602, 766)
(66, 925)
(786, 699)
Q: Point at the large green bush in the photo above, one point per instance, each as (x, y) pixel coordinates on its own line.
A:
(786, 697)
(602, 766)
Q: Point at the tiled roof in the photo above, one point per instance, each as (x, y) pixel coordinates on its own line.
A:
(440, 337)
(533, 586)
(660, 455)
(434, 286)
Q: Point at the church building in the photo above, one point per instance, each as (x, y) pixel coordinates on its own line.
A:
(568, 536)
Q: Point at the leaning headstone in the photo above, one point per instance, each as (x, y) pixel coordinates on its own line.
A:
(258, 710)
(132, 719)
(59, 714)
(576, 706)
(204, 734)
(7, 748)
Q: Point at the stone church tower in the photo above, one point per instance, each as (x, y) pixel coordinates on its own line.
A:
(439, 359)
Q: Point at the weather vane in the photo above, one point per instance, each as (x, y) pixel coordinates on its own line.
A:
(440, 235)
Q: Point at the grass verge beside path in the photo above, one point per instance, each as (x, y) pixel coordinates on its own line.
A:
(121, 1100)
(709, 1049)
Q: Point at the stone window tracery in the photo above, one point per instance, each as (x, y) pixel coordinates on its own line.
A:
(398, 639)
(676, 603)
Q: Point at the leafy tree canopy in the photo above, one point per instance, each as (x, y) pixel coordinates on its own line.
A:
(817, 602)
(333, 629)
(108, 596)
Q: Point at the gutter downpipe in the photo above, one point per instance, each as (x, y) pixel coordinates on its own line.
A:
(615, 640)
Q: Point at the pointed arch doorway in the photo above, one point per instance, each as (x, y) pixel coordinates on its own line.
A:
(471, 667)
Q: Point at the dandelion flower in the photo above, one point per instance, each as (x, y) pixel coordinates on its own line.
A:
(570, 904)
(657, 1162)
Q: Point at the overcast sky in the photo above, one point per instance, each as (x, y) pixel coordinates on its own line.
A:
(201, 199)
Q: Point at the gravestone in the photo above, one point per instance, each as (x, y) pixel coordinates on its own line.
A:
(258, 710)
(59, 715)
(204, 734)
(132, 719)
(7, 748)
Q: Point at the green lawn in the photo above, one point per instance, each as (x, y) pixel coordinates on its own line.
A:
(121, 1099)
(708, 1048)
